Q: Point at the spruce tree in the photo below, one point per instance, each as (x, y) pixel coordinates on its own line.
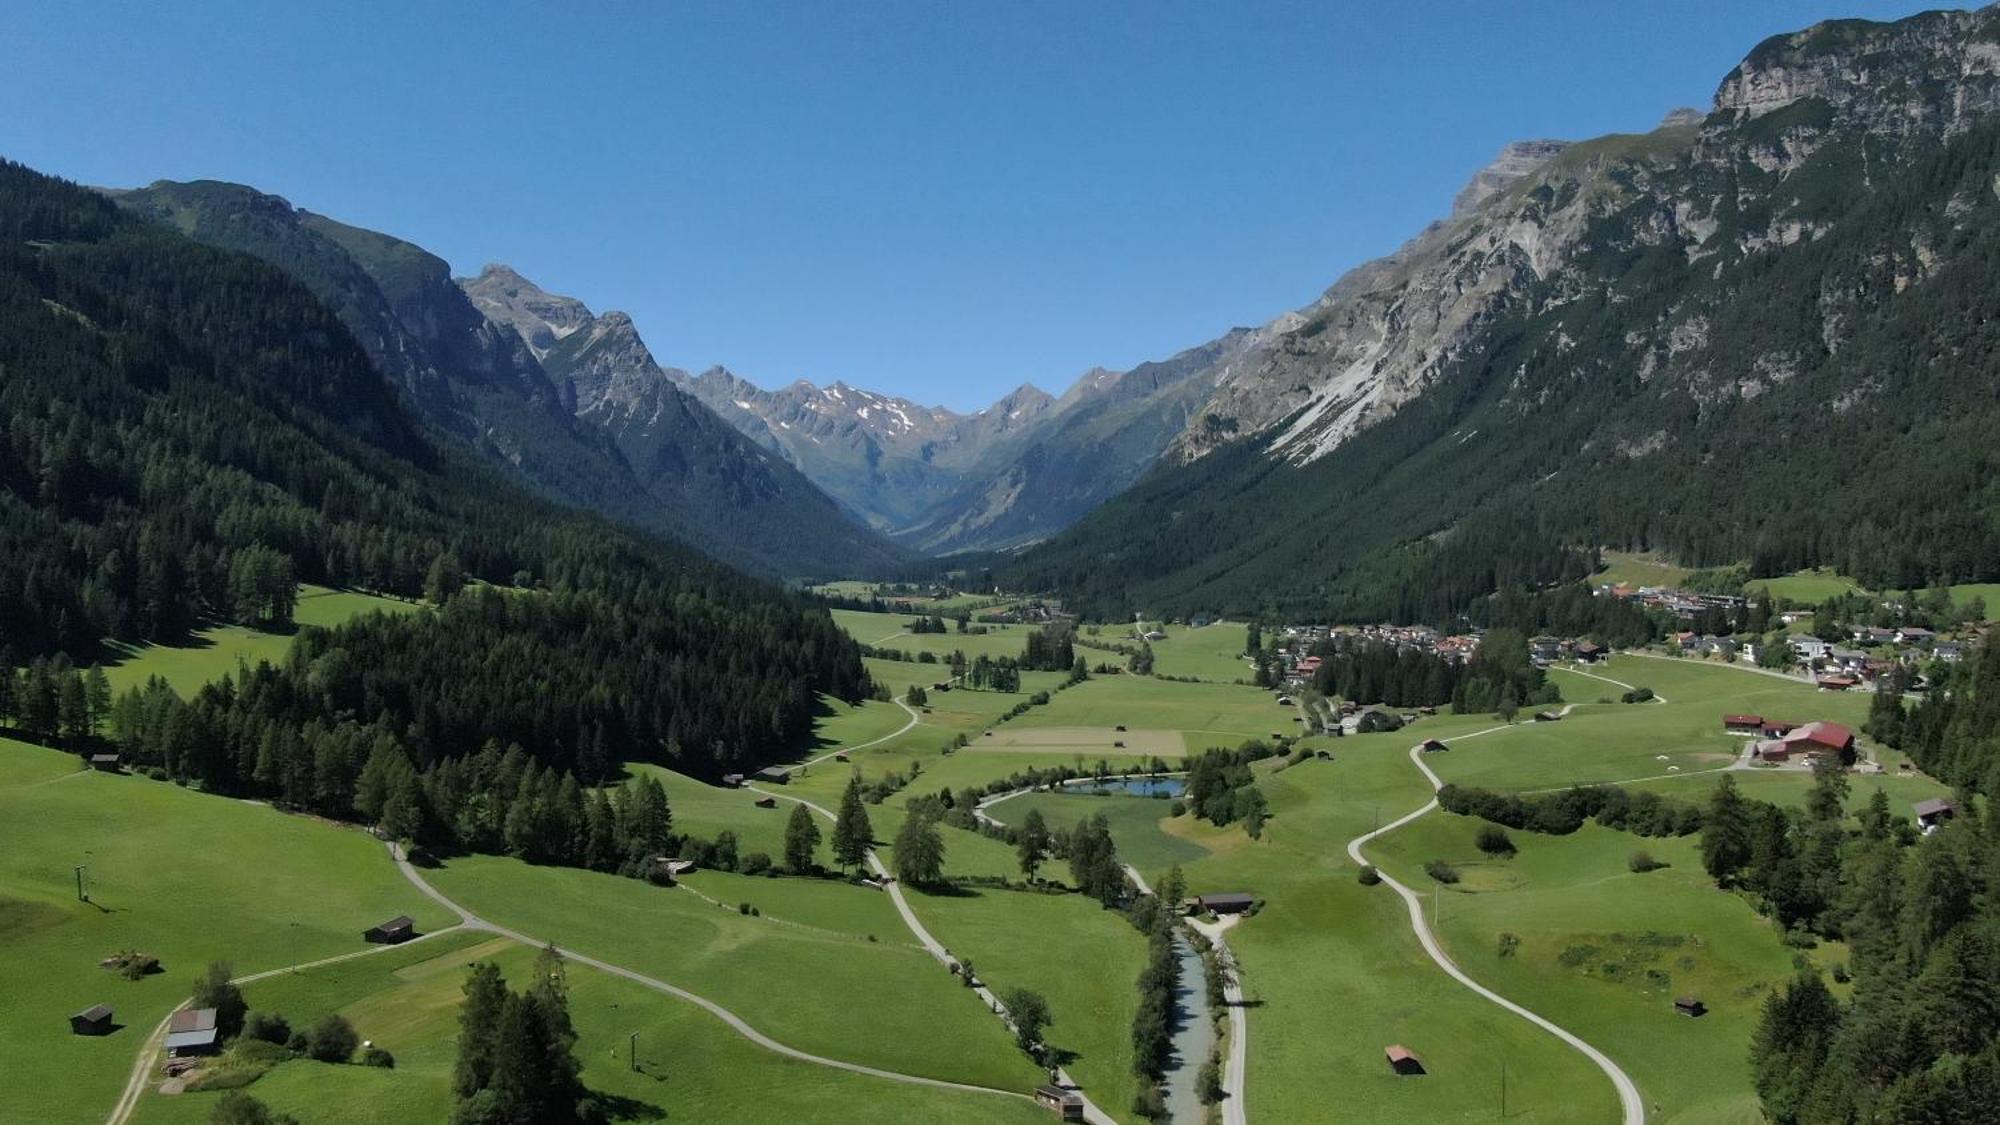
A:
(479, 1016)
(920, 850)
(852, 834)
(1032, 843)
(1725, 833)
(801, 840)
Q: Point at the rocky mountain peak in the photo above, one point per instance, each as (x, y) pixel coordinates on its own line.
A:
(540, 317)
(1681, 116)
(1931, 73)
(1516, 159)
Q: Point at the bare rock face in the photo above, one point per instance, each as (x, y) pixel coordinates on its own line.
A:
(1308, 381)
(541, 318)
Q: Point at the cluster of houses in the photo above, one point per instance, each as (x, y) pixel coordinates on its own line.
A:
(1297, 640)
(1780, 742)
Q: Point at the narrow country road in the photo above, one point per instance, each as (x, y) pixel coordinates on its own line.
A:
(470, 920)
(1634, 1110)
(912, 712)
(1091, 1112)
(1657, 697)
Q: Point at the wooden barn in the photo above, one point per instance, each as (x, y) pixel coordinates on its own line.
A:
(1403, 1061)
(393, 932)
(94, 1020)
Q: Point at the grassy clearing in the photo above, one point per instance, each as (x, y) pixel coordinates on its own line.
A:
(1604, 951)
(1136, 824)
(1807, 587)
(1639, 568)
(215, 652)
(804, 972)
(691, 1067)
(186, 876)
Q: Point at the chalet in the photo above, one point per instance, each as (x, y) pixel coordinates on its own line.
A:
(1932, 814)
(1690, 1006)
(1229, 902)
(1544, 650)
(767, 802)
(1309, 666)
(773, 775)
(1849, 659)
(1434, 746)
(1547, 716)
(1403, 1061)
(1951, 652)
(672, 868)
(1743, 724)
(1870, 636)
(94, 1020)
(1067, 1105)
(732, 780)
(192, 1031)
(1588, 652)
(1752, 651)
(1835, 683)
(108, 763)
(393, 932)
(1808, 648)
(1914, 635)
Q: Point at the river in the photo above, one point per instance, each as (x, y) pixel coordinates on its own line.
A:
(1194, 1035)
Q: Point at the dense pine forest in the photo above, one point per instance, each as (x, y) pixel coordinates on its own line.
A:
(188, 432)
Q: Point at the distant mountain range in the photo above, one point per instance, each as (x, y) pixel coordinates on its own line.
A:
(582, 413)
(1757, 334)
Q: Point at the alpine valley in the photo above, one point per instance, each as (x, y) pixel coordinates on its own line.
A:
(1550, 677)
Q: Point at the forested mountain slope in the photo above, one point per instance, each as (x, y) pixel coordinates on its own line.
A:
(1758, 337)
(175, 413)
(692, 477)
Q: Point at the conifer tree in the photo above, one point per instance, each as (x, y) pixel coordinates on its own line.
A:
(852, 833)
(801, 840)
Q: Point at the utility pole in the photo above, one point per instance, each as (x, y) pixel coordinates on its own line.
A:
(82, 895)
(632, 1051)
(1435, 893)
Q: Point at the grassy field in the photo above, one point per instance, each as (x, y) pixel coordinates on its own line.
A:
(1212, 652)
(1205, 714)
(218, 651)
(1806, 587)
(690, 1066)
(185, 876)
(1635, 568)
(804, 972)
(1604, 951)
(889, 630)
(1083, 958)
(1136, 824)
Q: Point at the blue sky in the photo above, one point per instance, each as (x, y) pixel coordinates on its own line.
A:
(940, 200)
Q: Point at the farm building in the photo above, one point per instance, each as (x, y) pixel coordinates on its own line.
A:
(1065, 1104)
(1547, 716)
(395, 931)
(767, 802)
(1403, 1061)
(1690, 1006)
(1229, 902)
(1743, 724)
(774, 775)
(192, 1032)
(732, 780)
(1836, 683)
(94, 1020)
(1932, 814)
(1434, 746)
(106, 762)
(1588, 652)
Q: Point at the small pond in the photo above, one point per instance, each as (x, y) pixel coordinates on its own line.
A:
(1133, 786)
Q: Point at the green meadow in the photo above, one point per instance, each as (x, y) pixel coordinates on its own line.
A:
(186, 876)
(825, 966)
(689, 1065)
(1605, 952)
(212, 653)
(1211, 652)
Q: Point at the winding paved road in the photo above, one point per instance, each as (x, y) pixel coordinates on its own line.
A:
(1634, 1109)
